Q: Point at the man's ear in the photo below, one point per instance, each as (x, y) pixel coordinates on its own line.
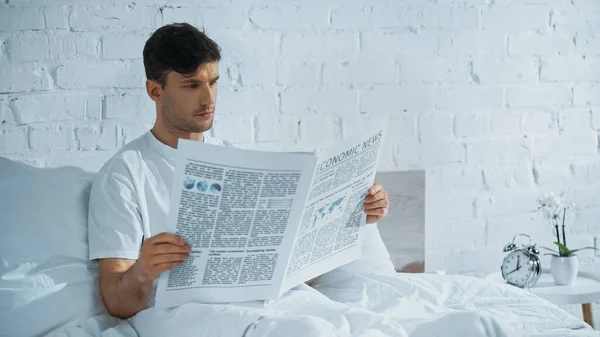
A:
(154, 90)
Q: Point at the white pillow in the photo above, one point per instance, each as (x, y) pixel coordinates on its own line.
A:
(46, 280)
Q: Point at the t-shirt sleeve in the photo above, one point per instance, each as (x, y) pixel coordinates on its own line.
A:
(114, 220)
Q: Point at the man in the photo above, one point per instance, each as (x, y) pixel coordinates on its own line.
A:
(131, 191)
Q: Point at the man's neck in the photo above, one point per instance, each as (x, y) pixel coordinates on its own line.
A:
(170, 138)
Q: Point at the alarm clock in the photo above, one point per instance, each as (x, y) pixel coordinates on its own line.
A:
(521, 267)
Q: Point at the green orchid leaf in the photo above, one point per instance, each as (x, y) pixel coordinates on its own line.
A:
(552, 250)
(576, 250)
(563, 249)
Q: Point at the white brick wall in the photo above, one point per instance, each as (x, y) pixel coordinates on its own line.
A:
(497, 101)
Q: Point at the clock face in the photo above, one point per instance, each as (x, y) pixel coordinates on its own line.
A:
(516, 268)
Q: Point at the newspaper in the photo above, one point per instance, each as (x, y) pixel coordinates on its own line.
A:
(260, 223)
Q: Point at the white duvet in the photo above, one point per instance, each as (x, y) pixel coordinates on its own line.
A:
(348, 303)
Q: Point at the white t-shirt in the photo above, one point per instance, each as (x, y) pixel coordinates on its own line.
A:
(130, 194)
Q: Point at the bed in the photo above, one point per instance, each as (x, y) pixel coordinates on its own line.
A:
(49, 288)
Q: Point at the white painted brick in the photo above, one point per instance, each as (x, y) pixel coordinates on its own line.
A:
(25, 77)
(405, 157)
(357, 16)
(465, 96)
(96, 137)
(482, 262)
(587, 197)
(52, 139)
(248, 101)
(554, 146)
(571, 69)
(56, 17)
(258, 72)
(434, 69)
(28, 46)
(360, 72)
(515, 17)
(88, 161)
(101, 74)
(299, 72)
(13, 141)
(290, 17)
(328, 100)
(379, 45)
(585, 220)
(130, 106)
(128, 46)
(514, 69)
(231, 17)
(191, 15)
(449, 205)
(575, 18)
(437, 152)
(472, 125)
(399, 128)
(576, 121)
(449, 262)
(236, 129)
(586, 94)
(74, 45)
(390, 100)
(458, 234)
(540, 94)
(506, 202)
(450, 178)
(133, 130)
(529, 43)
(517, 175)
(588, 42)
(540, 122)
(16, 18)
(94, 17)
(451, 17)
(244, 45)
(319, 132)
(506, 123)
(312, 45)
(438, 126)
(473, 43)
(552, 176)
(47, 108)
(596, 119)
(498, 152)
(273, 128)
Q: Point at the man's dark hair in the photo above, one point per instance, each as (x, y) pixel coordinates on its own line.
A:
(178, 47)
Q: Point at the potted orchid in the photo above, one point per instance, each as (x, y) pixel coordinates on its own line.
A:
(564, 265)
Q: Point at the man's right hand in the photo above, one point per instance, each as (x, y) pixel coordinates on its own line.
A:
(160, 253)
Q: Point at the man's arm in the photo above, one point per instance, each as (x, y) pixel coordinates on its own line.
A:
(126, 284)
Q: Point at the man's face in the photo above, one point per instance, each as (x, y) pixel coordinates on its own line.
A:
(188, 102)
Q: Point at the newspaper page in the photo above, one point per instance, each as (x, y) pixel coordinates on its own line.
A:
(239, 210)
(328, 236)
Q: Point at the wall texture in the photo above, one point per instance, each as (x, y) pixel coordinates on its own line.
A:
(498, 101)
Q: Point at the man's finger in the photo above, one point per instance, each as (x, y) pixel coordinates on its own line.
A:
(167, 238)
(375, 188)
(168, 266)
(376, 211)
(377, 204)
(377, 196)
(168, 248)
(169, 258)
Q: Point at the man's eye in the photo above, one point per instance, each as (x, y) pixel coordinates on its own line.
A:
(191, 86)
(213, 84)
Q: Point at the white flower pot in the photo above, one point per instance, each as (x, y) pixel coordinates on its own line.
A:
(564, 269)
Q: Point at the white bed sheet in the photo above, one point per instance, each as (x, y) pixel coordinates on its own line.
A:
(347, 303)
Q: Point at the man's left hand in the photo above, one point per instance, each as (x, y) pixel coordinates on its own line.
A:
(376, 204)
